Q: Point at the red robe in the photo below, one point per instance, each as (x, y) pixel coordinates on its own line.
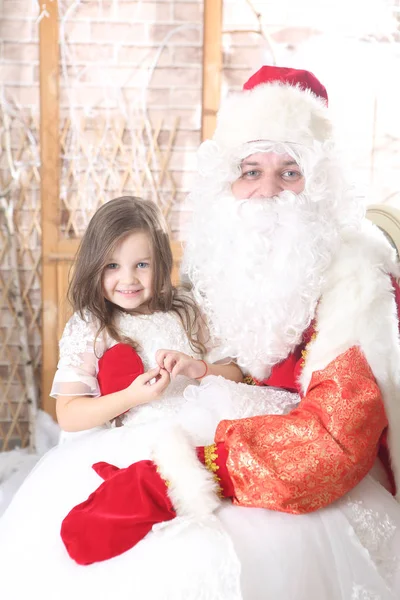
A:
(307, 459)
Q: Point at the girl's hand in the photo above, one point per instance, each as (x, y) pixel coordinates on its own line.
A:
(178, 363)
(142, 391)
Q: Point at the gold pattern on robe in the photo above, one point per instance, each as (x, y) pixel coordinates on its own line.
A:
(305, 460)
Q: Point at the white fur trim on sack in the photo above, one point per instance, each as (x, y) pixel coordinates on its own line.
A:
(191, 488)
(274, 112)
(358, 308)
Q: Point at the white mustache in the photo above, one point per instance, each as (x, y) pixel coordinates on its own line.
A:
(264, 214)
(284, 198)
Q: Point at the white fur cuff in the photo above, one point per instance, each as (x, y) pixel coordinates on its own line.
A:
(191, 488)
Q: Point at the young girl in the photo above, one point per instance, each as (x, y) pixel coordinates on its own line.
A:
(124, 301)
(121, 290)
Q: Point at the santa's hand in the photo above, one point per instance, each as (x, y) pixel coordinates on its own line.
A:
(124, 508)
(178, 363)
(118, 514)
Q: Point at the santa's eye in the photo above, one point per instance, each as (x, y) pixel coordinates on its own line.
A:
(251, 173)
(291, 175)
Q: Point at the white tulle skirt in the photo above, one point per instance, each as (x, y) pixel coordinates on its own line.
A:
(348, 551)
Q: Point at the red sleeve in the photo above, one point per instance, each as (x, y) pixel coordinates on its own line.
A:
(305, 460)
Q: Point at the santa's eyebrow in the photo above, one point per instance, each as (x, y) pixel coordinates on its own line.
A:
(289, 163)
(285, 163)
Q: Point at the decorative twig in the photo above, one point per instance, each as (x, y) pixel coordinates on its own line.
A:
(15, 290)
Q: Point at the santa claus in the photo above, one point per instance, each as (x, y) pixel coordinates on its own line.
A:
(299, 289)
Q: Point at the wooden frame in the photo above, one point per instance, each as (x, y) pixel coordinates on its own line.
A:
(50, 169)
(212, 66)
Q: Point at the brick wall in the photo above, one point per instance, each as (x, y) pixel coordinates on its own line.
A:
(113, 48)
(113, 44)
(19, 51)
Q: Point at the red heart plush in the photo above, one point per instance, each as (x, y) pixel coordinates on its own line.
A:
(118, 367)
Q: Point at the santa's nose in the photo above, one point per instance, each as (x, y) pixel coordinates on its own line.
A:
(268, 187)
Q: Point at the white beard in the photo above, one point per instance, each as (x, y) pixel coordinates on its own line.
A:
(257, 269)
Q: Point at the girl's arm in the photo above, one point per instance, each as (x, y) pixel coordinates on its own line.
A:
(76, 413)
(178, 363)
(230, 371)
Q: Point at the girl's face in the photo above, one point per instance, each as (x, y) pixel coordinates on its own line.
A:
(267, 174)
(128, 275)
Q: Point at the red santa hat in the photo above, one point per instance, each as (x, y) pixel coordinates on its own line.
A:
(277, 104)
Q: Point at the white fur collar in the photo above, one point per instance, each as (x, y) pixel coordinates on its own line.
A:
(358, 308)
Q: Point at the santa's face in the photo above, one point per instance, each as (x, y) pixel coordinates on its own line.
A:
(266, 225)
(268, 174)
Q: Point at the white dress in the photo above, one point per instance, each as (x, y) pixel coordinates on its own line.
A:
(347, 551)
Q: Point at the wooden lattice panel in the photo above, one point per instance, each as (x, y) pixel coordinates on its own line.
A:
(25, 200)
(105, 158)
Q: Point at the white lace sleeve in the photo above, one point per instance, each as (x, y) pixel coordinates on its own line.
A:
(76, 373)
(215, 353)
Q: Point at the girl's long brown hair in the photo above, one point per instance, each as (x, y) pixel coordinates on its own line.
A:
(111, 224)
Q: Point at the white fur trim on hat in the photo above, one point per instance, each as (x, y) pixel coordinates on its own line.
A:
(273, 111)
(191, 488)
